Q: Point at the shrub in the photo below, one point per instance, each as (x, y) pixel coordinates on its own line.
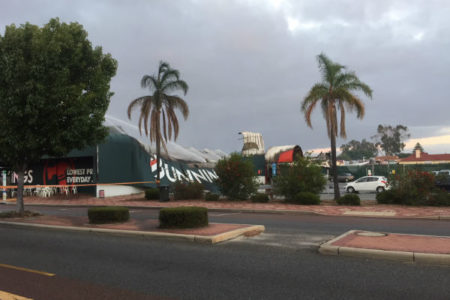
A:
(211, 197)
(15, 214)
(386, 197)
(260, 198)
(152, 194)
(183, 217)
(439, 198)
(349, 199)
(412, 188)
(108, 214)
(188, 190)
(306, 198)
(236, 177)
(302, 176)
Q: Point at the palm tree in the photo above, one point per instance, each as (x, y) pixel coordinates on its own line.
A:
(335, 93)
(159, 108)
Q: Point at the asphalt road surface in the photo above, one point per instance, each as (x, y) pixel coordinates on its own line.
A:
(282, 263)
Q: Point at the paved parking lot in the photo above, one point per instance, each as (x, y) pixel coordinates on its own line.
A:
(328, 193)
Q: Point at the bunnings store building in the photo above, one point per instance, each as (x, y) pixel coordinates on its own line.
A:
(119, 166)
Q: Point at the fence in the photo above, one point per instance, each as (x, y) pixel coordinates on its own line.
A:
(386, 170)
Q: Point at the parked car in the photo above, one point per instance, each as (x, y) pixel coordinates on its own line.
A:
(443, 172)
(368, 184)
(344, 177)
(442, 180)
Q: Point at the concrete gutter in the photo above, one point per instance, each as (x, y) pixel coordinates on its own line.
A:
(403, 256)
(247, 231)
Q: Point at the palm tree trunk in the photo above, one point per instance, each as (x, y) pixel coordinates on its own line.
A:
(158, 160)
(337, 194)
(20, 185)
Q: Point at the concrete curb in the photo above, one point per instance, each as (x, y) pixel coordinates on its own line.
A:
(248, 231)
(403, 256)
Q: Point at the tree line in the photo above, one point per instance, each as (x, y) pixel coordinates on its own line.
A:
(390, 139)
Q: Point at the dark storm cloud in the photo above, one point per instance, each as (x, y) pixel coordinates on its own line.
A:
(248, 71)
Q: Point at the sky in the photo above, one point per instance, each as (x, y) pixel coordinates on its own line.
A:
(250, 63)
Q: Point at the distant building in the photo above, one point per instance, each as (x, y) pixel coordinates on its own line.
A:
(387, 160)
(419, 157)
(253, 143)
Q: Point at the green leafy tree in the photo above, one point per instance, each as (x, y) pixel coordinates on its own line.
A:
(54, 92)
(157, 114)
(335, 93)
(236, 177)
(354, 150)
(302, 176)
(390, 139)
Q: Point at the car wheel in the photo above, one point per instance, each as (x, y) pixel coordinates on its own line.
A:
(380, 189)
(350, 190)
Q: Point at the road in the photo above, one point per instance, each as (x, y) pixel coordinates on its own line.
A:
(282, 263)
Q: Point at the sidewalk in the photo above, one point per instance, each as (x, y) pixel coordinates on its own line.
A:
(328, 208)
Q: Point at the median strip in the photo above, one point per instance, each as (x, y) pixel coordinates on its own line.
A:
(392, 246)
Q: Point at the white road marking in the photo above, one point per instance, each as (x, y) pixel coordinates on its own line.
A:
(225, 214)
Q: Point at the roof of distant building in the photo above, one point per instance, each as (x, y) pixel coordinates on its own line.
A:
(423, 156)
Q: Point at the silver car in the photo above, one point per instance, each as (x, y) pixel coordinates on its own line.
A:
(368, 184)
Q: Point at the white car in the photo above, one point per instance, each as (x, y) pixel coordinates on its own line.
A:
(368, 184)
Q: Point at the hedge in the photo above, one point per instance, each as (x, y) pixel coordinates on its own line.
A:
(152, 194)
(108, 214)
(211, 197)
(183, 217)
(306, 198)
(435, 198)
(349, 199)
(259, 198)
(188, 191)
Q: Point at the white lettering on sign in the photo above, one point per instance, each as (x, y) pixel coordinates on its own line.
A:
(80, 179)
(27, 177)
(173, 174)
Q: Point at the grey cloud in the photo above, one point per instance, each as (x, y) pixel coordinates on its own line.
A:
(247, 71)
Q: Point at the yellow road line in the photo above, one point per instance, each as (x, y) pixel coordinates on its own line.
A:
(27, 270)
(9, 296)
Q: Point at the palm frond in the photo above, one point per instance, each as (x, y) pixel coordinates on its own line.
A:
(326, 115)
(308, 111)
(317, 92)
(344, 78)
(149, 81)
(136, 102)
(359, 86)
(175, 85)
(154, 126)
(328, 68)
(178, 103)
(141, 117)
(174, 121)
(163, 66)
(170, 75)
(164, 147)
(352, 102)
(169, 123)
(145, 112)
